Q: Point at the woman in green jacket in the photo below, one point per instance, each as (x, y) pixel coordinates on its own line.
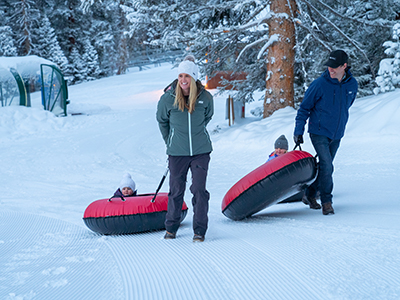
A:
(183, 113)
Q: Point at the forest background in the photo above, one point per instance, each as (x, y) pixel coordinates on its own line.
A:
(279, 45)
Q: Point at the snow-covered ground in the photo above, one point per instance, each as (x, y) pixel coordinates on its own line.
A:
(52, 168)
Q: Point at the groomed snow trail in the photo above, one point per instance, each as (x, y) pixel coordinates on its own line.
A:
(44, 258)
(281, 262)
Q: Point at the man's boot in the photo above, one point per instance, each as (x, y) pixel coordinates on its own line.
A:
(327, 208)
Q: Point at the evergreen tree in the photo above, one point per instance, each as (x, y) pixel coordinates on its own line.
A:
(103, 35)
(389, 68)
(3, 15)
(7, 47)
(91, 61)
(77, 68)
(24, 15)
(70, 23)
(48, 46)
(74, 26)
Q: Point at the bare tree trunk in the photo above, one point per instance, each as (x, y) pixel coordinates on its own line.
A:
(71, 37)
(27, 45)
(281, 55)
(122, 56)
(122, 63)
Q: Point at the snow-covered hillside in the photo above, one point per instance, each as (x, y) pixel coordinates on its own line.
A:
(52, 168)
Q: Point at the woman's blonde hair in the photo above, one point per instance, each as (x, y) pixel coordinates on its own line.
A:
(180, 101)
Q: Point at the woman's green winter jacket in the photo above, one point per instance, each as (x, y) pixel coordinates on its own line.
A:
(185, 134)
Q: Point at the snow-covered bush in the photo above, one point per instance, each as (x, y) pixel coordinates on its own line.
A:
(389, 68)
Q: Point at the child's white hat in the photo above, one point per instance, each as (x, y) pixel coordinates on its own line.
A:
(127, 182)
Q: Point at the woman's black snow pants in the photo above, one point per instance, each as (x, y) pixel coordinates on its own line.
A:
(178, 168)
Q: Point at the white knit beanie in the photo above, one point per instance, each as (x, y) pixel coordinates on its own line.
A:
(127, 182)
(190, 68)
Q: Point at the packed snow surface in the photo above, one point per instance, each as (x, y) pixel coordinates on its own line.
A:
(52, 168)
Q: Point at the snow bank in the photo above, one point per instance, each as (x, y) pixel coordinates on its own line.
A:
(25, 65)
(17, 121)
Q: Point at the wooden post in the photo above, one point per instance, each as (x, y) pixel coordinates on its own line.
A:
(233, 110)
(229, 110)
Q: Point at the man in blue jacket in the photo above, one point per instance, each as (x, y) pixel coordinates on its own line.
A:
(326, 106)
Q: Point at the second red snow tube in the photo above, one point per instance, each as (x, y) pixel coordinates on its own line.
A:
(128, 215)
(272, 182)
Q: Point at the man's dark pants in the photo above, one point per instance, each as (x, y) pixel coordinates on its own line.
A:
(179, 167)
(326, 149)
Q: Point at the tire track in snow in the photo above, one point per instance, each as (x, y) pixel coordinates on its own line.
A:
(52, 259)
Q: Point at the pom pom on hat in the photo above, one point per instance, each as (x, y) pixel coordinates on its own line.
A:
(127, 182)
(282, 143)
(188, 66)
(190, 57)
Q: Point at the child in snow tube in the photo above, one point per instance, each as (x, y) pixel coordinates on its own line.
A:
(127, 187)
(281, 147)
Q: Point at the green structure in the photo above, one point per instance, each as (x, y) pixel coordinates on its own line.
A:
(12, 88)
(21, 76)
(54, 89)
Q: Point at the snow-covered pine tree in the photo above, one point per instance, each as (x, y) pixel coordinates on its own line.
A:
(70, 23)
(77, 68)
(91, 62)
(101, 24)
(103, 35)
(24, 15)
(389, 68)
(7, 47)
(48, 46)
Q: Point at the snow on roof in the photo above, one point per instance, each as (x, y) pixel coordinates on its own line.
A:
(25, 65)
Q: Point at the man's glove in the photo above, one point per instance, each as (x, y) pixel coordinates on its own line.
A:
(298, 139)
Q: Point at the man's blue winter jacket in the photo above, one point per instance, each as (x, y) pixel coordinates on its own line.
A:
(326, 103)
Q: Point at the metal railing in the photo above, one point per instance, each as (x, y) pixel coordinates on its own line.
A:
(154, 57)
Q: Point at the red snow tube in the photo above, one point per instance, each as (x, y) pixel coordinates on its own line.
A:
(273, 182)
(128, 215)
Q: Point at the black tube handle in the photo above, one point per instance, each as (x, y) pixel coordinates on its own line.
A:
(160, 185)
(122, 198)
